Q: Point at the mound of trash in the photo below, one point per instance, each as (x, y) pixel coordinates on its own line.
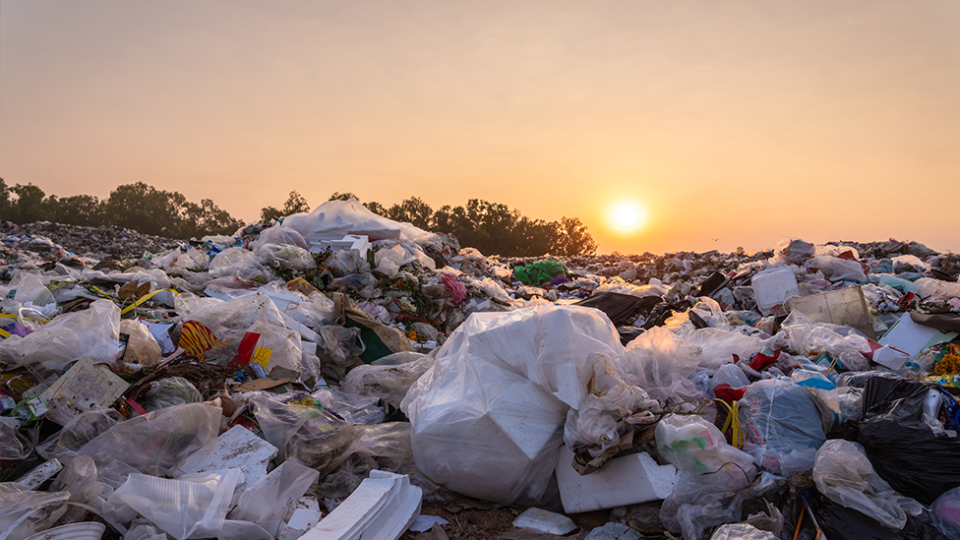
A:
(331, 375)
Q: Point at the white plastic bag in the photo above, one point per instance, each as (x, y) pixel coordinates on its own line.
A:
(487, 416)
(24, 512)
(280, 235)
(945, 512)
(10, 446)
(286, 256)
(387, 382)
(844, 475)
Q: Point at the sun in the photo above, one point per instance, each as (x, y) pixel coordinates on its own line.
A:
(626, 216)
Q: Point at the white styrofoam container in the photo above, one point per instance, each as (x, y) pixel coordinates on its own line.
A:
(772, 287)
(632, 479)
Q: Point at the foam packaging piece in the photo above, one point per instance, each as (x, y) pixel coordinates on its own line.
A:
(544, 521)
(773, 287)
(237, 448)
(626, 480)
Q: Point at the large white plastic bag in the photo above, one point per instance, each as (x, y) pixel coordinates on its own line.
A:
(333, 220)
(31, 289)
(157, 442)
(94, 332)
(183, 508)
(24, 512)
(779, 417)
(487, 416)
(662, 363)
(844, 475)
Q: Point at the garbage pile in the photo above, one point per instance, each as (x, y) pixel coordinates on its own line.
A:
(338, 374)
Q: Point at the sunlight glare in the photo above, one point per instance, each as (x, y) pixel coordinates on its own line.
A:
(626, 216)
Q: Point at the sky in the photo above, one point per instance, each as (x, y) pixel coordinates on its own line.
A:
(732, 124)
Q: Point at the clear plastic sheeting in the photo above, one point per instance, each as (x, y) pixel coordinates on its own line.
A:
(504, 381)
(10, 446)
(661, 363)
(272, 500)
(844, 475)
(24, 512)
(333, 220)
(386, 381)
(241, 263)
(280, 235)
(157, 442)
(945, 512)
(313, 436)
(741, 531)
(82, 429)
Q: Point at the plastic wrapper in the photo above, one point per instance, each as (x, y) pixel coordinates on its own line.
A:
(169, 392)
(741, 531)
(311, 435)
(844, 475)
(718, 346)
(711, 474)
(805, 336)
(142, 348)
(142, 529)
(794, 250)
(945, 512)
(342, 344)
(387, 382)
(902, 448)
(347, 262)
(272, 500)
(504, 382)
(353, 408)
(286, 256)
(280, 235)
(79, 478)
(780, 418)
(241, 263)
(10, 446)
(193, 507)
(94, 332)
(82, 429)
(661, 363)
(31, 289)
(603, 414)
(824, 392)
(229, 323)
(24, 512)
(935, 290)
(157, 442)
(836, 269)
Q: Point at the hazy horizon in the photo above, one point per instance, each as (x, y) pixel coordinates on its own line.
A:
(742, 122)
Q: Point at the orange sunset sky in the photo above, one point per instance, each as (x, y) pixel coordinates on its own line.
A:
(737, 121)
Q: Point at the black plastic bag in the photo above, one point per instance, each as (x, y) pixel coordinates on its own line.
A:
(847, 524)
(904, 451)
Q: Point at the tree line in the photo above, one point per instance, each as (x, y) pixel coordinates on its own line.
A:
(492, 228)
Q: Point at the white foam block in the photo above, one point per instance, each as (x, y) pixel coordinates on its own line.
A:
(632, 479)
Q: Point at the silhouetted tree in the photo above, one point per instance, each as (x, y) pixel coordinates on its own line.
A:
(376, 208)
(412, 210)
(337, 196)
(270, 213)
(85, 210)
(296, 203)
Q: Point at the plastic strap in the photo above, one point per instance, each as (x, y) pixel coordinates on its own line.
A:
(733, 423)
(144, 298)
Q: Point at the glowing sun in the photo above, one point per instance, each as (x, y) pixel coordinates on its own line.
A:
(626, 216)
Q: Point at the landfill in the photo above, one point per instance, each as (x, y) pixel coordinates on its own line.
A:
(338, 375)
